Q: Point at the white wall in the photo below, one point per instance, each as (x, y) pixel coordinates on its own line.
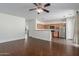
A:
(40, 34)
(11, 27)
(70, 28)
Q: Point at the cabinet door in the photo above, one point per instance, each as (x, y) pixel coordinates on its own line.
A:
(52, 27)
(56, 34)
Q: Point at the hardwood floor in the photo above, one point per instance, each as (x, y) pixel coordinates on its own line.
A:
(36, 47)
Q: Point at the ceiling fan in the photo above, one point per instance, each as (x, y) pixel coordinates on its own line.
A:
(40, 7)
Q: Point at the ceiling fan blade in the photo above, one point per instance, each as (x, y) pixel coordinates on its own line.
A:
(46, 5)
(45, 10)
(35, 4)
(32, 9)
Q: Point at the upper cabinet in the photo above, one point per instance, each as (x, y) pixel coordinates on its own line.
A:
(50, 26)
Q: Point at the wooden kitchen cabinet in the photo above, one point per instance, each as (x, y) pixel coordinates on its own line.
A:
(42, 26)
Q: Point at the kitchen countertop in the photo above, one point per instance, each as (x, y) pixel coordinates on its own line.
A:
(47, 30)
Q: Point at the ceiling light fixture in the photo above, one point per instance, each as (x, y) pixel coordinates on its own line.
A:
(39, 10)
(40, 7)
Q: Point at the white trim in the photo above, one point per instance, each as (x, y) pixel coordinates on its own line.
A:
(11, 39)
(39, 38)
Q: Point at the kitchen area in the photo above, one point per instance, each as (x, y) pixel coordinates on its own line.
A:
(58, 30)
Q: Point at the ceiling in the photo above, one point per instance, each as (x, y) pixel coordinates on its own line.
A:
(21, 10)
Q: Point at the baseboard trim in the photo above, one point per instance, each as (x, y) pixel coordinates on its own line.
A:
(39, 39)
(9, 40)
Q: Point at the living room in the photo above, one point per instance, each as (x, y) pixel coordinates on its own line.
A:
(31, 32)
